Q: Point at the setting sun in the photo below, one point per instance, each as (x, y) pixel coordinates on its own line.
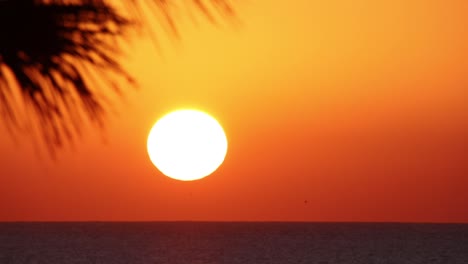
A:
(187, 145)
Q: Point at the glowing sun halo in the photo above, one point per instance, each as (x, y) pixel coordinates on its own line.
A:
(187, 145)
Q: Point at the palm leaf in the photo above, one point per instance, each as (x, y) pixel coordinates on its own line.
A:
(52, 53)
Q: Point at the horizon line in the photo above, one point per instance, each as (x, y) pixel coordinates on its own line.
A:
(233, 221)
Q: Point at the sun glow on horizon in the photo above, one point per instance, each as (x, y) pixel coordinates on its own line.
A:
(187, 145)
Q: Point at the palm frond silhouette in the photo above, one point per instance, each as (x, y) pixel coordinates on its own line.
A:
(52, 51)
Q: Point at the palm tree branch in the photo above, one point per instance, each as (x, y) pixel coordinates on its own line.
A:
(55, 47)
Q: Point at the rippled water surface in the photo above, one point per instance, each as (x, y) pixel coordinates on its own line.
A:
(196, 242)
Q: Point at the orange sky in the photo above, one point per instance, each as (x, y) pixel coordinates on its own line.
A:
(359, 107)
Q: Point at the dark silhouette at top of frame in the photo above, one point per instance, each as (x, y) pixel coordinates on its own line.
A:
(58, 58)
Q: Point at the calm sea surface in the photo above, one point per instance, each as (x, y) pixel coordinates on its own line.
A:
(196, 242)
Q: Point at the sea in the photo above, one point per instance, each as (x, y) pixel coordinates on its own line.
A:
(236, 242)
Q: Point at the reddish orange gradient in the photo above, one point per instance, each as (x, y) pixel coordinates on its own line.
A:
(334, 111)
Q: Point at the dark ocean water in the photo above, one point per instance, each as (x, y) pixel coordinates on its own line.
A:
(196, 242)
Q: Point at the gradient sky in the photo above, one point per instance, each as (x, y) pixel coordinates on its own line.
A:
(359, 108)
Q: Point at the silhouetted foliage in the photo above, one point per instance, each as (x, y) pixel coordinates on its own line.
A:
(57, 57)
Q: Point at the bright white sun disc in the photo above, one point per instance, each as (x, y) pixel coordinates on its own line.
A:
(187, 145)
